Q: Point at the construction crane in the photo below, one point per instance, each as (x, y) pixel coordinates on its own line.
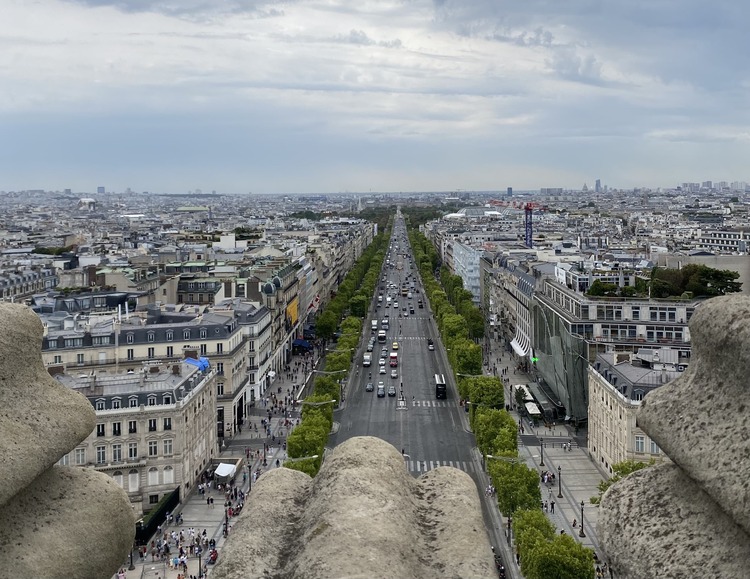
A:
(528, 208)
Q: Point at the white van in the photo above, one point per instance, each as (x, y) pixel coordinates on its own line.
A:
(374, 326)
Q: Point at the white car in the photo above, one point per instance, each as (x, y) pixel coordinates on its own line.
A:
(394, 373)
(382, 369)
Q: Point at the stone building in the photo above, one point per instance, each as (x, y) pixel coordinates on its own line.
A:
(155, 427)
(618, 381)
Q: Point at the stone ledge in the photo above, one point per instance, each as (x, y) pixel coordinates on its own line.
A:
(659, 524)
(362, 516)
(700, 420)
(70, 522)
(40, 420)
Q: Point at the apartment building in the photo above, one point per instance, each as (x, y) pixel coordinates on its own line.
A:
(618, 382)
(155, 429)
(163, 333)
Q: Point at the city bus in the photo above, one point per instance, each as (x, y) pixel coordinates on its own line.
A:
(381, 337)
(441, 390)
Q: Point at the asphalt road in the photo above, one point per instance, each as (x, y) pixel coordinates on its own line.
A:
(428, 430)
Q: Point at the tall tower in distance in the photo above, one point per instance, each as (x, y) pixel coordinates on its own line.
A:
(100, 190)
(509, 192)
(598, 186)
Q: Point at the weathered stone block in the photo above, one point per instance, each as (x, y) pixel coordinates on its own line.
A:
(362, 516)
(40, 420)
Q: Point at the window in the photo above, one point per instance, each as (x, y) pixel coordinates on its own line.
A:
(167, 399)
(100, 405)
(132, 426)
(152, 400)
(101, 454)
(64, 461)
(74, 342)
(153, 448)
(133, 402)
(219, 348)
(203, 334)
(151, 352)
(186, 335)
(204, 349)
(220, 368)
(115, 403)
(220, 388)
(133, 480)
(168, 447)
(100, 340)
(80, 456)
(150, 336)
(654, 448)
(167, 424)
(132, 450)
(152, 424)
(640, 443)
(170, 336)
(170, 351)
(131, 354)
(168, 475)
(116, 429)
(130, 338)
(100, 429)
(117, 477)
(117, 452)
(58, 359)
(153, 499)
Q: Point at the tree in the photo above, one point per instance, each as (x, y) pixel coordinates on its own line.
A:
(561, 558)
(454, 327)
(309, 437)
(600, 288)
(621, 470)
(531, 527)
(486, 426)
(516, 484)
(466, 357)
(325, 325)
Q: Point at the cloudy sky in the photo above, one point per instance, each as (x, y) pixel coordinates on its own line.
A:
(372, 95)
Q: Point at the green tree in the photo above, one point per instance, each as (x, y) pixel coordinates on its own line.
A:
(309, 466)
(561, 558)
(486, 426)
(309, 437)
(531, 527)
(454, 327)
(325, 325)
(600, 288)
(516, 484)
(466, 357)
(621, 470)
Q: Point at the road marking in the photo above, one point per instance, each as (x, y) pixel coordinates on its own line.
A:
(420, 466)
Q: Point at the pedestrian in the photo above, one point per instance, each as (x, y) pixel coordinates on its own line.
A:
(552, 507)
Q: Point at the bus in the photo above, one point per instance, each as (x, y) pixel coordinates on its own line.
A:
(441, 390)
(381, 337)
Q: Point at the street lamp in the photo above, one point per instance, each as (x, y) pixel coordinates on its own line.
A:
(581, 533)
(200, 564)
(226, 518)
(559, 482)
(541, 447)
(322, 403)
(132, 565)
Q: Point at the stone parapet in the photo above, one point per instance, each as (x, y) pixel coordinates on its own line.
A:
(691, 517)
(362, 516)
(54, 521)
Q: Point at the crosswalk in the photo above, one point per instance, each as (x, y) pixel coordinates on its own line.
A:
(431, 403)
(420, 466)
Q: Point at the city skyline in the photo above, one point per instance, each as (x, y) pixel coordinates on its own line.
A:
(275, 97)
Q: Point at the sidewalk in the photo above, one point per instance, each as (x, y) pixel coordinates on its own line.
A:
(198, 515)
(580, 476)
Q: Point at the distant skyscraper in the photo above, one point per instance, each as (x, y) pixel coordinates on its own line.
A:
(509, 192)
(598, 186)
(100, 190)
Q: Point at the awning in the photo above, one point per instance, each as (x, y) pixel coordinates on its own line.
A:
(272, 374)
(302, 344)
(225, 469)
(520, 345)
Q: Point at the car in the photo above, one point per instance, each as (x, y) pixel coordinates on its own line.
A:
(395, 305)
(369, 387)
(406, 313)
(430, 344)
(394, 373)
(384, 353)
(370, 347)
(411, 310)
(381, 391)
(381, 362)
(394, 346)
(382, 369)
(391, 390)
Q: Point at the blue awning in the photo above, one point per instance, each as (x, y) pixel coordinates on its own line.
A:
(302, 344)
